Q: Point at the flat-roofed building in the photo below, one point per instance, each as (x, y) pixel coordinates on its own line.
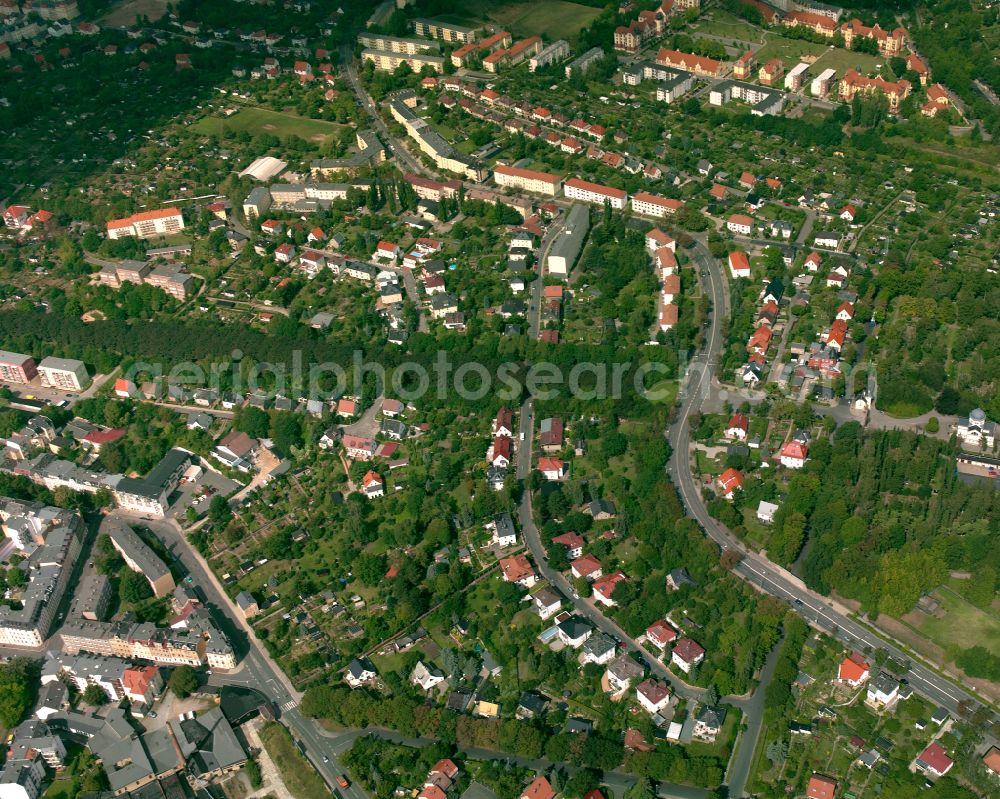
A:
(445, 31)
(17, 368)
(150, 494)
(395, 44)
(387, 61)
(569, 242)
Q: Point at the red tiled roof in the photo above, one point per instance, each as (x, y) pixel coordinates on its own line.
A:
(104, 436)
(935, 757)
(687, 650)
(821, 787)
(731, 479)
(853, 667)
(539, 789)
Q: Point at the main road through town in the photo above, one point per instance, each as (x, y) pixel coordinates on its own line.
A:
(256, 669)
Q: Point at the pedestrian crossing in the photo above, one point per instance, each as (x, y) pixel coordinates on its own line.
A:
(289, 705)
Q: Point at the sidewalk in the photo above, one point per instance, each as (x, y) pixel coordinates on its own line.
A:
(273, 784)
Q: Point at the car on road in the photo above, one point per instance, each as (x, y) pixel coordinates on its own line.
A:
(342, 781)
(326, 759)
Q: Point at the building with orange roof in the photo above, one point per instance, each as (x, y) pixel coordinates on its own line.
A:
(577, 189)
(739, 264)
(889, 44)
(699, 65)
(854, 670)
(527, 180)
(653, 205)
(821, 787)
(771, 72)
(540, 788)
(817, 23)
(938, 99)
(729, 481)
(517, 569)
(853, 83)
(744, 66)
(915, 63)
(147, 225)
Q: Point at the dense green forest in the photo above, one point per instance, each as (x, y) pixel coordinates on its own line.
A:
(881, 516)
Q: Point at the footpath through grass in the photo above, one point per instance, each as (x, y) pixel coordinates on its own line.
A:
(298, 774)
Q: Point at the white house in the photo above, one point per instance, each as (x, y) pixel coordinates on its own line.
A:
(621, 672)
(653, 696)
(740, 224)
(359, 672)
(574, 631)
(976, 431)
(504, 534)
(547, 603)
(426, 677)
(766, 511)
(687, 654)
(883, 691)
(739, 265)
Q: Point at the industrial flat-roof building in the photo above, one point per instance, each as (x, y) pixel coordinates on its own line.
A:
(569, 243)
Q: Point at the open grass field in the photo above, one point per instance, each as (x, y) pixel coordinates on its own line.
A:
(557, 19)
(843, 60)
(125, 13)
(720, 23)
(961, 625)
(791, 51)
(258, 121)
(297, 773)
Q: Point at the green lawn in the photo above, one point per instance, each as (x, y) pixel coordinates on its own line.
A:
(61, 789)
(728, 26)
(843, 60)
(297, 773)
(791, 51)
(258, 121)
(558, 19)
(962, 625)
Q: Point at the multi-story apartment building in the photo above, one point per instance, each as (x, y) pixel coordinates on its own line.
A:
(556, 51)
(172, 278)
(699, 65)
(48, 566)
(394, 44)
(431, 142)
(852, 83)
(84, 669)
(17, 368)
(514, 55)
(147, 225)
(199, 641)
(584, 62)
(820, 24)
(585, 191)
(149, 494)
(257, 202)
(388, 61)
(138, 556)
(370, 151)
(67, 374)
(889, 44)
(652, 205)
(445, 31)
(527, 180)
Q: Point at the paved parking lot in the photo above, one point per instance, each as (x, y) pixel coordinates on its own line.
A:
(187, 493)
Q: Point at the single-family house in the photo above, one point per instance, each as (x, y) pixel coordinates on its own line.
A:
(687, 654)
